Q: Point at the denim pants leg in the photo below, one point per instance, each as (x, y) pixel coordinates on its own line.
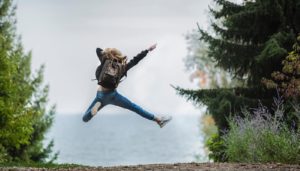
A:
(123, 102)
(99, 98)
(114, 98)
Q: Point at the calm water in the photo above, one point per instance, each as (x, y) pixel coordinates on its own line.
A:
(125, 139)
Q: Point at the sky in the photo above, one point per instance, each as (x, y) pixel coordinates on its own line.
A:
(64, 34)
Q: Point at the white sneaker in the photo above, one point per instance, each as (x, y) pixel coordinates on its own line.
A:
(164, 120)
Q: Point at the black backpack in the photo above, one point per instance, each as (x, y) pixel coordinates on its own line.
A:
(110, 73)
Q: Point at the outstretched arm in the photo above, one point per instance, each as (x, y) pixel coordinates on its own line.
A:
(139, 57)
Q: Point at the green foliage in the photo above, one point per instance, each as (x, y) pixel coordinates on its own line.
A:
(24, 119)
(251, 36)
(203, 67)
(262, 136)
(248, 40)
(287, 80)
(223, 102)
(208, 126)
(208, 129)
(217, 148)
(41, 166)
(3, 155)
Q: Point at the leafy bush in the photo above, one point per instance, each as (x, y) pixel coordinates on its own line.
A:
(3, 155)
(262, 136)
(216, 147)
(287, 80)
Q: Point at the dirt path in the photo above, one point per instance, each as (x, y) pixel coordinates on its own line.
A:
(179, 167)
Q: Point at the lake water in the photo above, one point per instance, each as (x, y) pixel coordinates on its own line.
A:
(125, 139)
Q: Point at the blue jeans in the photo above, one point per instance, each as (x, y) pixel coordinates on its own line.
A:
(113, 97)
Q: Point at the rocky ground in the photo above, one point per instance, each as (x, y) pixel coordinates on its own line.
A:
(176, 167)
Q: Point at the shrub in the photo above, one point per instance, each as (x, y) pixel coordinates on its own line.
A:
(216, 146)
(3, 155)
(262, 136)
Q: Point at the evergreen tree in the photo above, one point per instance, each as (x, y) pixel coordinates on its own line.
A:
(24, 118)
(249, 40)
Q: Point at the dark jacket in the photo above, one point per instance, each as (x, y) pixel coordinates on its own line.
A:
(129, 65)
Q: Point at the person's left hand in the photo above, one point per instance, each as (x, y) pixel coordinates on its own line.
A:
(152, 47)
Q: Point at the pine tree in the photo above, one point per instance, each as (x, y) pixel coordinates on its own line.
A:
(249, 40)
(24, 118)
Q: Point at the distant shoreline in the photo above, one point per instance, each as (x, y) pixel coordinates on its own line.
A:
(169, 167)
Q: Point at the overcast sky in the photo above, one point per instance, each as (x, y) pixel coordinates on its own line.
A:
(63, 35)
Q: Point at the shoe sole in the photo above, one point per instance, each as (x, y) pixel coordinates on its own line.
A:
(167, 121)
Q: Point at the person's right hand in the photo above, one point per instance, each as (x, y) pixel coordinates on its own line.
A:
(152, 47)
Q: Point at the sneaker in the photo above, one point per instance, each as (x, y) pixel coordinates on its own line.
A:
(164, 120)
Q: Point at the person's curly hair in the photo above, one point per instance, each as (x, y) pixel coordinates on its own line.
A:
(114, 53)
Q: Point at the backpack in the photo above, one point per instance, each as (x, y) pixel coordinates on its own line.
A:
(110, 73)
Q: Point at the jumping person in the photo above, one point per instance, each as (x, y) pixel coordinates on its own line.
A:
(112, 69)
